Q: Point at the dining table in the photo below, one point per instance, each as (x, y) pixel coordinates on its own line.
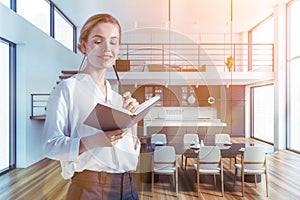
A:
(227, 151)
(231, 150)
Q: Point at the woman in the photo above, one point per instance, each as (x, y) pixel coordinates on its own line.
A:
(99, 163)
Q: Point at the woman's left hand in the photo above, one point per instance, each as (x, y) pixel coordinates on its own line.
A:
(129, 103)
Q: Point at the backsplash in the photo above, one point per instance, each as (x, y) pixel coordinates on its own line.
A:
(182, 113)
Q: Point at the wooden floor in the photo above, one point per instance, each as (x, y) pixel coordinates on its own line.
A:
(43, 181)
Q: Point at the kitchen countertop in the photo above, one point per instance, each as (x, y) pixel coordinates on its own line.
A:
(197, 122)
(172, 122)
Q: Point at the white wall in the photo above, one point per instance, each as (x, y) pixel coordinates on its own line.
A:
(40, 59)
(163, 35)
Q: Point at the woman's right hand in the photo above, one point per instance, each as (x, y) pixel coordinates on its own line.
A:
(129, 103)
(114, 136)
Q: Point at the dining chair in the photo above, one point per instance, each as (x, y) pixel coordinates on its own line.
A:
(209, 162)
(253, 163)
(188, 139)
(159, 139)
(165, 162)
(222, 138)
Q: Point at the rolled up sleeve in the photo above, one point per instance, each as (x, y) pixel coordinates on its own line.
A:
(59, 144)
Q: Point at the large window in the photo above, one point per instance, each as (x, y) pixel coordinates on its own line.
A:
(37, 12)
(263, 113)
(262, 34)
(63, 29)
(293, 66)
(47, 17)
(5, 2)
(262, 96)
(7, 105)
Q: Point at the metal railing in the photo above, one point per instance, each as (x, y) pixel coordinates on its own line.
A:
(185, 56)
(39, 106)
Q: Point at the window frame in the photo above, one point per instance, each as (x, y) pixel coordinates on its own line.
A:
(12, 105)
(53, 9)
(250, 41)
(252, 135)
(289, 60)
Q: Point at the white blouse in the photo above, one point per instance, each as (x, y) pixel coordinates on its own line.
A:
(68, 106)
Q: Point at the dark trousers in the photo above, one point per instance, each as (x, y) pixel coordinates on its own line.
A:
(90, 185)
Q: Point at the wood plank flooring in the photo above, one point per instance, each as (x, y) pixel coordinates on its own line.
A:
(43, 181)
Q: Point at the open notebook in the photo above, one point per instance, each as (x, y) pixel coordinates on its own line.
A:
(107, 118)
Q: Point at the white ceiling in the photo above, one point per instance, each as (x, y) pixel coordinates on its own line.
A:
(187, 16)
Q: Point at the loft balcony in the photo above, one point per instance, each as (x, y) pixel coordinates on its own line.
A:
(195, 64)
(183, 65)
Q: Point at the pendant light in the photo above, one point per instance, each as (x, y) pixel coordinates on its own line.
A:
(230, 58)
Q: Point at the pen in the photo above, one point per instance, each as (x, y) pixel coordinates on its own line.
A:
(126, 95)
(117, 75)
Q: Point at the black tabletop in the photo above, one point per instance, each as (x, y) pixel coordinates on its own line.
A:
(227, 151)
(232, 150)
